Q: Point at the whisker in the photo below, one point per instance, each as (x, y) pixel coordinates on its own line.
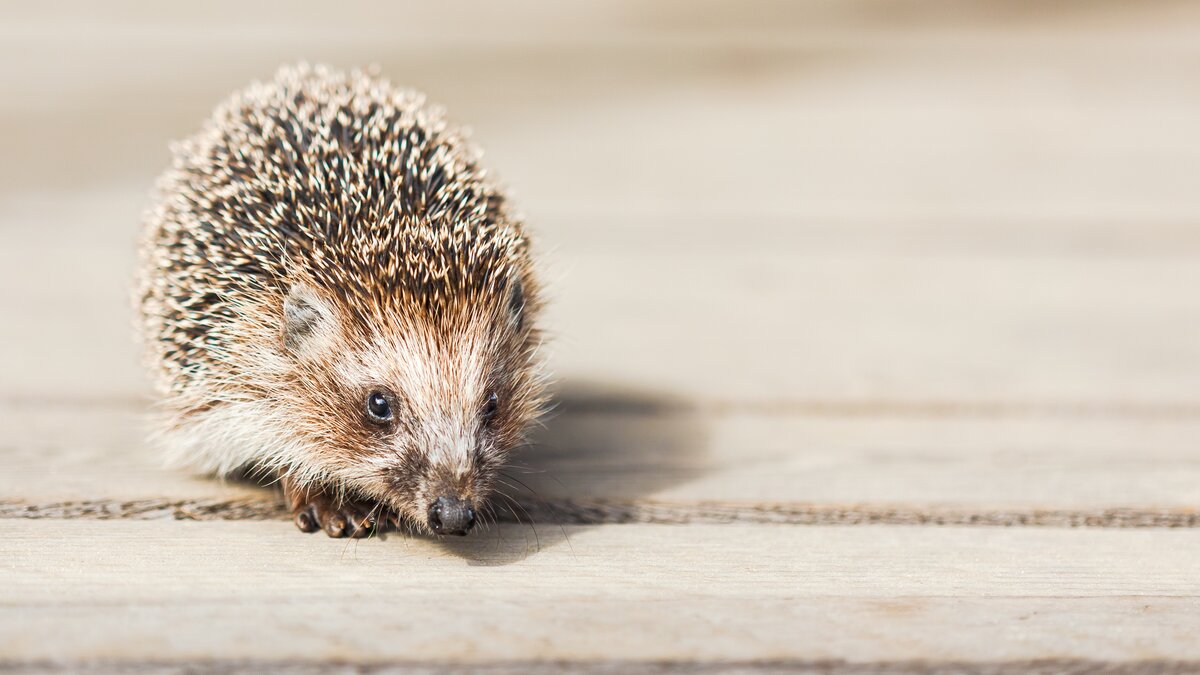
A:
(532, 525)
(537, 540)
(535, 472)
(374, 516)
(545, 505)
(488, 513)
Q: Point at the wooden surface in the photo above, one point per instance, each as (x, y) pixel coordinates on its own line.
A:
(875, 325)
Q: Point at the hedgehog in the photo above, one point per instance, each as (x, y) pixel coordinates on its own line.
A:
(335, 296)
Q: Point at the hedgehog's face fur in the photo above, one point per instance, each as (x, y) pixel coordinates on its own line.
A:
(411, 407)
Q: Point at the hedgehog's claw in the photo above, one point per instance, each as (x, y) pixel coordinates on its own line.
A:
(350, 519)
(312, 511)
(306, 520)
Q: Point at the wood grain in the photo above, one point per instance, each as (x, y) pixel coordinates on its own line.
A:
(263, 591)
(596, 461)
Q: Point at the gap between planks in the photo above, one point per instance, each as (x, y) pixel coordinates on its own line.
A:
(570, 512)
(756, 667)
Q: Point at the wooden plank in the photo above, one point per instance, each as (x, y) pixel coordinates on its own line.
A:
(975, 137)
(980, 463)
(775, 327)
(754, 327)
(539, 633)
(597, 20)
(138, 591)
(695, 462)
(838, 111)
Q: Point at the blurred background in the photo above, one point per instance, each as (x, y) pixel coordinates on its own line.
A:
(761, 203)
(774, 207)
(840, 284)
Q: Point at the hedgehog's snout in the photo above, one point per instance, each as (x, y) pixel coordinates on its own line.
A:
(451, 515)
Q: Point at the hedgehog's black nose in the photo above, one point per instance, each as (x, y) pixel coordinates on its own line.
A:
(451, 515)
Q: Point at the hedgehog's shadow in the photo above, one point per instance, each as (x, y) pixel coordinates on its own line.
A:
(602, 450)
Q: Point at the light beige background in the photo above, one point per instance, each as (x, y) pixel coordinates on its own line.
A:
(920, 264)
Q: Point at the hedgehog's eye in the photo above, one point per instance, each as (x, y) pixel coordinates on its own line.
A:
(490, 407)
(378, 407)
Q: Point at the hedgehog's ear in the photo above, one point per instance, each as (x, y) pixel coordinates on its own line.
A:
(307, 319)
(516, 302)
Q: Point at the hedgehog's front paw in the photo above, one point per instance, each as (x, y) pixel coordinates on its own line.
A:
(346, 519)
(314, 510)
